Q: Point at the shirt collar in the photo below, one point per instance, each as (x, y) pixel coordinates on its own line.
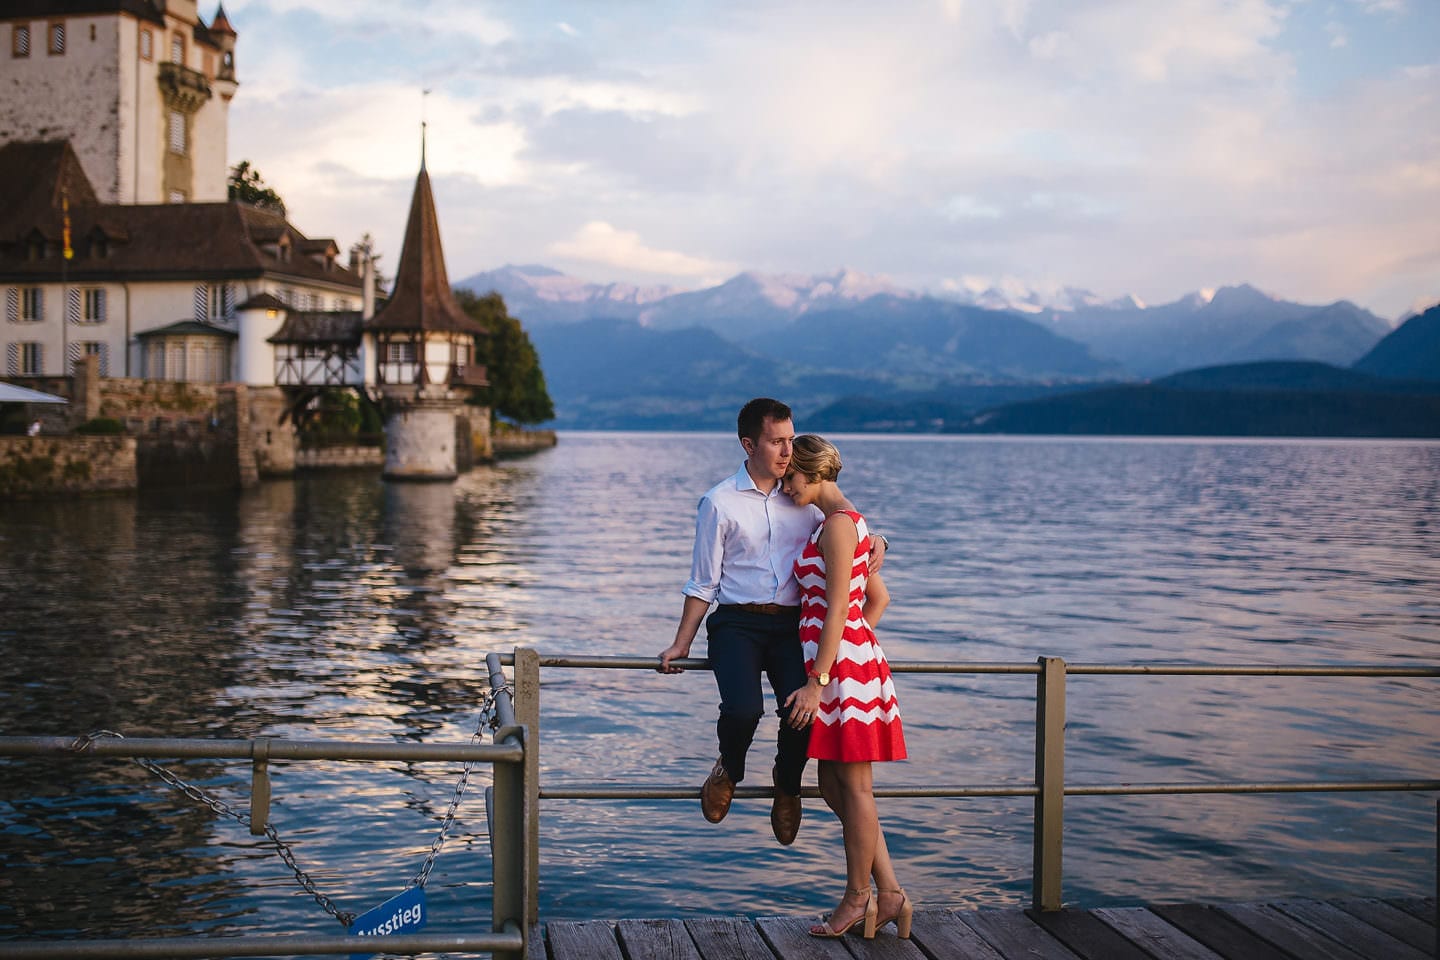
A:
(743, 482)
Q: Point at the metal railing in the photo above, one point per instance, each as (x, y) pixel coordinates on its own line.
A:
(510, 810)
(513, 801)
(1049, 788)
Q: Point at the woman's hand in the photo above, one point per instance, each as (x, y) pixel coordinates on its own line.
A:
(804, 704)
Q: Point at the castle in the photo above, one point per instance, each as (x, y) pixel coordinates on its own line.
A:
(118, 240)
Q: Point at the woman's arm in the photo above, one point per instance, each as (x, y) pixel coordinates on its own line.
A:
(837, 543)
(877, 598)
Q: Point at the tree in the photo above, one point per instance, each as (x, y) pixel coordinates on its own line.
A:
(517, 388)
(247, 186)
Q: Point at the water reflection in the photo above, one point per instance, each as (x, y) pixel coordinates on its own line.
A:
(342, 606)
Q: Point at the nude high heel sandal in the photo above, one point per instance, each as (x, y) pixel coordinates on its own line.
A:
(902, 917)
(824, 931)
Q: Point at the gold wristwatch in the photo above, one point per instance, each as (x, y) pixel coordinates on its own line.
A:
(823, 676)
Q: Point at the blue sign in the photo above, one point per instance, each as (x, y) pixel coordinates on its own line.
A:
(403, 913)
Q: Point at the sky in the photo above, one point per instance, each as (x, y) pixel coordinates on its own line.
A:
(1122, 146)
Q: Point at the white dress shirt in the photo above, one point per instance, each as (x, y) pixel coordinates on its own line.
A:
(747, 542)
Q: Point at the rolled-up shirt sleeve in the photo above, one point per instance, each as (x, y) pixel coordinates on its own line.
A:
(704, 582)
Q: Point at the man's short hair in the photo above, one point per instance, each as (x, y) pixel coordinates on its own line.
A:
(752, 416)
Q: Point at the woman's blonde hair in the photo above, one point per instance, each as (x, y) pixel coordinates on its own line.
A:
(815, 457)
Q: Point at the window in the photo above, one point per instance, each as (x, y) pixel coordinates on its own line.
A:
(32, 304)
(94, 306)
(20, 40)
(176, 132)
(402, 351)
(32, 360)
(57, 38)
(147, 45)
(219, 303)
(177, 49)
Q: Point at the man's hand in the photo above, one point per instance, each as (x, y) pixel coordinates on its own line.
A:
(676, 651)
(877, 552)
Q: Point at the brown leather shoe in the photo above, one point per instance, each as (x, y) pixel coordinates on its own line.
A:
(716, 794)
(785, 815)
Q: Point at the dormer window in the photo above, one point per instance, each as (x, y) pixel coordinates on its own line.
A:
(57, 39)
(282, 250)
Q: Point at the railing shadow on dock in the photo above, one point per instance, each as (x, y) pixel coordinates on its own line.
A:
(513, 801)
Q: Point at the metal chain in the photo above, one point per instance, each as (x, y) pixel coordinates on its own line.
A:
(488, 717)
(487, 712)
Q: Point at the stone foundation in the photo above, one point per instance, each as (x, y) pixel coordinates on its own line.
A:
(43, 466)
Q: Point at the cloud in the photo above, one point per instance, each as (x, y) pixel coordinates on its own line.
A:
(600, 243)
(1120, 145)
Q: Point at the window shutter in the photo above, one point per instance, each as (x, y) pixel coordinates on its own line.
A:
(39, 304)
(12, 359)
(101, 315)
(227, 301)
(12, 305)
(73, 353)
(202, 303)
(72, 305)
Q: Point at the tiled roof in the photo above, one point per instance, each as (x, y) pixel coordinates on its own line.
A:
(320, 327)
(190, 327)
(170, 241)
(39, 9)
(264, 301)
(422, 298)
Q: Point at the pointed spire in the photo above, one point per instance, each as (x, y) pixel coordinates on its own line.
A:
(221, 23)
(422, 298)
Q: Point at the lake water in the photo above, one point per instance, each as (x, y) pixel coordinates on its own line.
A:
(339, 606)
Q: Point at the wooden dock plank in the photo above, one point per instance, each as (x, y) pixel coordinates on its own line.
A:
(727, 938)
(1288, 930)
(1155, 935)
(1422, 908)
(1350, 930)
(1219, 932)
(1287, 933)
(787, 936)
(941, 933)
(1394, 921)
(1086, 935)
(587, 939)
(1014, 935)
(656, 940)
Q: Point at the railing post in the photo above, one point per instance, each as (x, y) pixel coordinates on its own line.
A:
(514, 802)
(527, 714)
(1049, 782)
(505, 806)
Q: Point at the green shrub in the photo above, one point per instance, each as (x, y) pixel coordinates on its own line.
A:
(105, 426)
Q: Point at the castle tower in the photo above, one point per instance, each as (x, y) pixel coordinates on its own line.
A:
(424, 347)
(141, 90)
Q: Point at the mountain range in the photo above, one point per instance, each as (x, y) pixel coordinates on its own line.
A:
(618, 355)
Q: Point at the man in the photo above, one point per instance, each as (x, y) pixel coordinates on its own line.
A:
(748, 534)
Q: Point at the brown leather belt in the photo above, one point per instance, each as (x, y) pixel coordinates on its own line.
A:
(772, 609)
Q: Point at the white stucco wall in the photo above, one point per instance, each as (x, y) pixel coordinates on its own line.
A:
(73, 95)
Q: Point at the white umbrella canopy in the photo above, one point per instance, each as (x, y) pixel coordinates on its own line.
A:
(9, 393)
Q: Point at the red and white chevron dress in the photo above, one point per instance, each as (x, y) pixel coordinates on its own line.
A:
(858, 717)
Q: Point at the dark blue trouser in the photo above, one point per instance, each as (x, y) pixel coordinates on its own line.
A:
(742, 646)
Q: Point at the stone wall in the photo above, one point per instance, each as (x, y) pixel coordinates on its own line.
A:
(510, 443)
(339, 458)
(46, 466)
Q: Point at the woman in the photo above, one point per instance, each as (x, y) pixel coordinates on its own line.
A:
(849, 697)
